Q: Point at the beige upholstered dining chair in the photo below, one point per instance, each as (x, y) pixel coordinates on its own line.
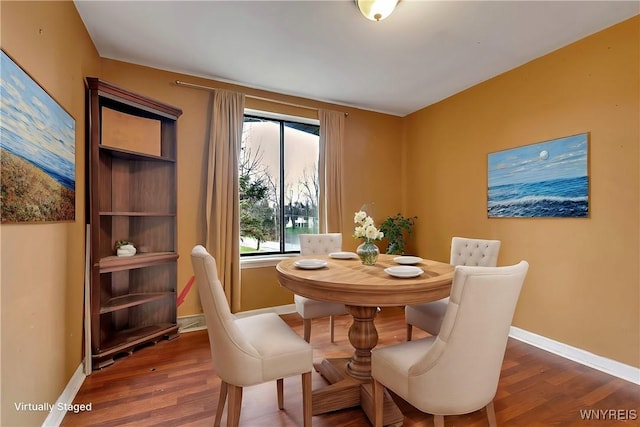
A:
(318, 244)
(457, 371)
(464, 251)
(250, 350)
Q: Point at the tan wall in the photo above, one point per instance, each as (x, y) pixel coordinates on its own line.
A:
(261, 289)
(43, 264)
(582, 288)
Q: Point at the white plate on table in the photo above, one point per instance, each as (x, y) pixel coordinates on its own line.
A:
(404, 271)
(343, 255)
(408, 260)
(310, 264)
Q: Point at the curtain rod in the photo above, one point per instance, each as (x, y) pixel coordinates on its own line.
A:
(291, 104)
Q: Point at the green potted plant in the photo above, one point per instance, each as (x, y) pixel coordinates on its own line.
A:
(397, 229)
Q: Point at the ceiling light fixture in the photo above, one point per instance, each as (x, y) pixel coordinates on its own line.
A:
(376, 10)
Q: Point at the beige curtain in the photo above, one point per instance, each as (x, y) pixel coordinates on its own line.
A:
(222, 207)
(330, 170)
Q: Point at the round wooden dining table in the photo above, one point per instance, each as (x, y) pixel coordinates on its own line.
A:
(362, 289)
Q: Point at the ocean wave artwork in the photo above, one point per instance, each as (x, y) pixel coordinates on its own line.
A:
(547, 179)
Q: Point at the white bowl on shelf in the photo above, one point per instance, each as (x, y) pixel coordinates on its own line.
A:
(126, 250)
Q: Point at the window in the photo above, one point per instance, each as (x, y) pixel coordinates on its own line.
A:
(278, 169)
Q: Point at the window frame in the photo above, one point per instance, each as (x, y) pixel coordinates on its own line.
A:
(281, 119)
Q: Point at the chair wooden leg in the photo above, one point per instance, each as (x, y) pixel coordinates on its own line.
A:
(307, 329)
(438, 420)
(409, 331)
(331, 327)
(235, 403)
(378, 399)
(221, 400)
(491, 415)
(307, 410)
(280, 387)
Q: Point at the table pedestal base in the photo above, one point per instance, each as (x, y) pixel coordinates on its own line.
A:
(346, 391)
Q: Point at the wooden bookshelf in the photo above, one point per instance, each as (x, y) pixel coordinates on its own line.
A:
(132, 195)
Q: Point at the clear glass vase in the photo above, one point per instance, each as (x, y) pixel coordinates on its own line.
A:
(368, 253)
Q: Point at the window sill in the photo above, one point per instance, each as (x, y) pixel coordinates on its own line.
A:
(263, 261)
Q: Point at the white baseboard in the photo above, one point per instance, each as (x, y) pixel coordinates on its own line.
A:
(57, 412)
(280, 309)
(196, 322)
(608, 366)
(191, 323)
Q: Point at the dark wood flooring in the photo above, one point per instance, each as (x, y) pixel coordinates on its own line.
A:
(173, 384)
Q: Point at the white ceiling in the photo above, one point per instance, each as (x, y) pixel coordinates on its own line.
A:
(326, 50)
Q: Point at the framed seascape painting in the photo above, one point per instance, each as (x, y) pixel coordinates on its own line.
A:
(37, 151)
(547, 179)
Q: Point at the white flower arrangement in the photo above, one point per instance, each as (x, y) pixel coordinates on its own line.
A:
(366, 229)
